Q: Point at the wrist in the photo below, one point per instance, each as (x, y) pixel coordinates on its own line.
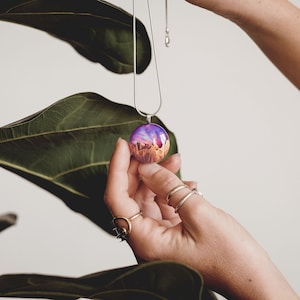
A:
(260, 16)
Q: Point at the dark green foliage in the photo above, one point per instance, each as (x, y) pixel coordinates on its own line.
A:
(66, 149)
(7, 220)
(156, 280)
(98, 30)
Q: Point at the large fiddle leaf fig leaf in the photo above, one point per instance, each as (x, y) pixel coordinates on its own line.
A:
(7, 220)
(150, 281)
(66, 149)
(98, 30)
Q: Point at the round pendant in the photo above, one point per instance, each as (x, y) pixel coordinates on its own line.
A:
(149, 143)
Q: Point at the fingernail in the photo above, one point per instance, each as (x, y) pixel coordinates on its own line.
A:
(120, 140)
(177, 155)
(118, 143)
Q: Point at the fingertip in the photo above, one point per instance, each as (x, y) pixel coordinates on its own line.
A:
(120, 143)
(172, 163)
(121, 149)
(176, 157)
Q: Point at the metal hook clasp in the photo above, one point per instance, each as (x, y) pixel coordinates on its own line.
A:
(167, 35)
(167, 38)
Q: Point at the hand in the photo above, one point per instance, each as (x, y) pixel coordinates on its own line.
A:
(200, 235)
(272, 25)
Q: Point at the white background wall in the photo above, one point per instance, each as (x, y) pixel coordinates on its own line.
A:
(235, 116)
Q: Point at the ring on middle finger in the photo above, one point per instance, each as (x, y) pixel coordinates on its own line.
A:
(175, 190)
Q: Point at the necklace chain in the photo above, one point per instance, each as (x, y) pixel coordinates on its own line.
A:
(167, 43)
(167, 31)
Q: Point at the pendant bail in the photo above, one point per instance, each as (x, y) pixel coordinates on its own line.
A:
(148, 117)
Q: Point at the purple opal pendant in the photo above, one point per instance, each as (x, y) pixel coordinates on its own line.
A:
(149, 143)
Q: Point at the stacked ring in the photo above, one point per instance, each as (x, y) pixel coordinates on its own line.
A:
(175, 190)
(185, 198)
(182, 201)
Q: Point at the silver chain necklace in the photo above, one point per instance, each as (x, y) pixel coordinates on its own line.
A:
(149, 142)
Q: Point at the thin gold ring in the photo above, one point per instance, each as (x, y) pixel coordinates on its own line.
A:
(175, 190)
(122, 232)
(181, 202)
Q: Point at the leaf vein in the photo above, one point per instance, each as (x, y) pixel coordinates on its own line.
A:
(65, 131)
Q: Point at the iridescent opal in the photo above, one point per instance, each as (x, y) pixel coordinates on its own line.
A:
(149, 143)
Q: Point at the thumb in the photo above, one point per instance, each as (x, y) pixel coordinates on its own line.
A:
(162, 181)
(158, 179)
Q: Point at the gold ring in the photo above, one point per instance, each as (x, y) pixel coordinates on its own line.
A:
(181, 202)
(175, 190)
(122, 232)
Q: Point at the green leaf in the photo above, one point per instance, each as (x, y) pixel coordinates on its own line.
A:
(98, 30)
(127, 294)
(66, 149)
(155, 280)
(7, 220)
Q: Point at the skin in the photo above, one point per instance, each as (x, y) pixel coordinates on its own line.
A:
(274, 25)
(202, 236)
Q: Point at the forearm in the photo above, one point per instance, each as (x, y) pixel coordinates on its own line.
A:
(274, 25)
(247, 273)
(243, 272)
(263, 281)
(235, 265)
(275, 28)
